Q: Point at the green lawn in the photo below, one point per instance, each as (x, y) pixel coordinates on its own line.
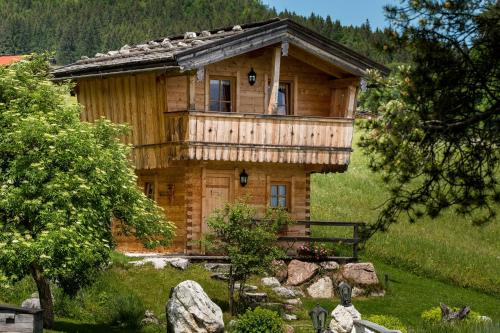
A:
(448, 248)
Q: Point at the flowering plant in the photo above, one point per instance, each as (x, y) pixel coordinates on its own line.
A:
(315, 251)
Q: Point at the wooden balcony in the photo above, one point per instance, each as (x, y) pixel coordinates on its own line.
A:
(216, 136)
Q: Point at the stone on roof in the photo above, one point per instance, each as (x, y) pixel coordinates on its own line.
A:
(190, 35)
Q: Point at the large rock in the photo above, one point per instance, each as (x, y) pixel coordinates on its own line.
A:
(280, 270)
(31, 303)
(285, 292)
(360, 273)
(270, 282)
(190, 310)
(323, 288)
(181, 263)
(160, 263)
(343, 319)
(329, 265)
(300, 272)
(218, 268)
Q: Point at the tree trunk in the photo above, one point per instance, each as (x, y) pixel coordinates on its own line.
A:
(44, 294)
(231, 291)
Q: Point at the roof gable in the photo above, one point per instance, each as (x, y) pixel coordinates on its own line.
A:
(194, 50)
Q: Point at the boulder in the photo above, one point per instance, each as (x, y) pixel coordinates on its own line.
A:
(285, 292)
(329, 265)
(218, 268)
(323, 288)
(181, 263)
(31, 303)
(360, 273)
(189, 309)
(280, 270)
(300, 272)
(342, 319)
(270, 282)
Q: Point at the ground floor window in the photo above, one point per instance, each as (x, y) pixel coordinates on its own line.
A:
(280, 195)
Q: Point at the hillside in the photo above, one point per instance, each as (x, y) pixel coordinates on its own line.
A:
(76, 28)
(448, 248)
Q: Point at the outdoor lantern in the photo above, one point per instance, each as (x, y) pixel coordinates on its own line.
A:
(243, 178)
(318, 317)
(252, 77)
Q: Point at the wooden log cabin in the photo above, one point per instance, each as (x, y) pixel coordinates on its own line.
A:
(248, 111)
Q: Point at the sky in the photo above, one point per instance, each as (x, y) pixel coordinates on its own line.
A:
(349, 12)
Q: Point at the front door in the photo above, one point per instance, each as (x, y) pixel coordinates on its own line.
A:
(218, 191)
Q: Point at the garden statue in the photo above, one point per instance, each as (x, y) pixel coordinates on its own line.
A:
(345, 293)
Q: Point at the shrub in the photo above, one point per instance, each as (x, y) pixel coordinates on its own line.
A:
(125, 310)
(259, 321)
(389, 322)
(433, 316)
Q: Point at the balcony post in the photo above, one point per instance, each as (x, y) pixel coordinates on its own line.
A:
(275, 81)
(191, 91)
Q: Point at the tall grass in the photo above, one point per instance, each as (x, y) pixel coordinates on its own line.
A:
(448, 248)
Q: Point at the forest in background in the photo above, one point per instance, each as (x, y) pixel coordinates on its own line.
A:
(75, 28)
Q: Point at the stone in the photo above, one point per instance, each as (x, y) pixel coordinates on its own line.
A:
(484, 319)
(31, 303)
(205, 33)
(294, 301)
(190, 35)
(218, 268)
(246, 287)
(180, 263)
(300, 272)
(323, 288)
(149, 318)
(270, 282)
(254, 298)
(189, 309)
(377, 293)
(342, 318)
(358, 292)
(330, 265)
(289, 317)
(181, 44)
(360, 273)
(289, 308)
(279, 269)
(237, 28)
(285, 292)
(220, 276)
(288, 329)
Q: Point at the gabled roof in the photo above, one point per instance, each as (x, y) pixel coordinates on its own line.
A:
(195, 50)
(9, 59)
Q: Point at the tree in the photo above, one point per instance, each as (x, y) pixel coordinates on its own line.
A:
(438, 135)
(62, 181)
(249, 244)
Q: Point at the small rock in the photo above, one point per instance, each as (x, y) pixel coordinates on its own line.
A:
(84, 58)
(99, 55)
(246, 287)
(190, 310)
(197, 42)
(289, 308)
(237, 28)
(484, 319)
(329, 265)
(220, 276)
(253, 298)
(181, 44)
(360, 273)
(285, 292)
(158, 263)
(289, 329)
(377, 293)
(289, 317)
(153, 43)
(323, 288)
(343, 318)
(300, 272)
(220, 31)
(279, 269)
(31, 303)
(181, 263)
(270, 282)
(190, 35)
(294, 301)
(149, 318)
(358, 292)
(217, 267)
(205, 33)
(125, 47)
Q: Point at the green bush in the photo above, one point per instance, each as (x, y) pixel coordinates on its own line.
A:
(389, 322)
(125, 310)
(259, 321)
(433, 316)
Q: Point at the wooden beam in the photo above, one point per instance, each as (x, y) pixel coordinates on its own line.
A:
(191, 91)
(316, 62)
(351, 101)
(342, 83)
(275, 81)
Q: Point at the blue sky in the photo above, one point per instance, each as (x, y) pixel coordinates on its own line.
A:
(349, 12)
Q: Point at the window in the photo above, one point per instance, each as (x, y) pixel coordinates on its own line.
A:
(149, 190)
(280, 195)
(284, 106)
(220, 95)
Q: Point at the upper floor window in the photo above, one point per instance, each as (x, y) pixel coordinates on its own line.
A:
(280, 195)
(149, 190)
(284, 106)
(221, 95)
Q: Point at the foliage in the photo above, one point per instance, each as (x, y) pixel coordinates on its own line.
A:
(76, 28)
(62, 181)
(259, 320)
(249, 244)
(389, 322)
(436, 140)
(433, 316)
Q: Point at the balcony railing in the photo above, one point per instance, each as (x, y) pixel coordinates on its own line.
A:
(194, 135)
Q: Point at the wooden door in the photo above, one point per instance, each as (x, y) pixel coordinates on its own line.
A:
(217, 192)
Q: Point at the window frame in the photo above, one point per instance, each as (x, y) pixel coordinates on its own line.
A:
(290, 99)
(232, 85)
(149, 189)
(288, 195)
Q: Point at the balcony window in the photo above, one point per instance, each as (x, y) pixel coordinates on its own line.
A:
(284, 99)
(221, 95)
(280, 195)
(149, 190)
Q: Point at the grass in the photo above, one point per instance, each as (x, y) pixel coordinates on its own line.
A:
(448, 248)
